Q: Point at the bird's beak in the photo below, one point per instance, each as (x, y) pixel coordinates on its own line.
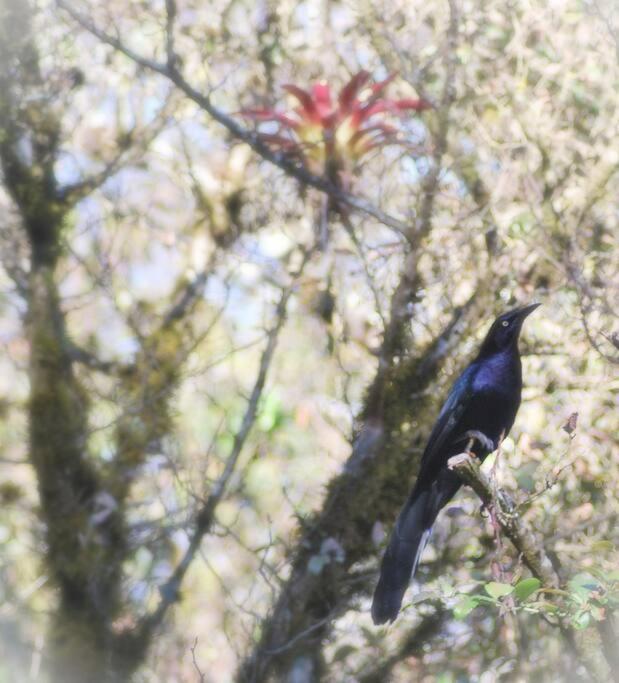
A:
(527, 310)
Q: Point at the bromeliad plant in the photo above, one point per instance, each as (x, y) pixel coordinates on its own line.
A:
(333, 138)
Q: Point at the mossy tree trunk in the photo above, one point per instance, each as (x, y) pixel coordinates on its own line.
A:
(82, 499)
(83, 555)
(84, 550)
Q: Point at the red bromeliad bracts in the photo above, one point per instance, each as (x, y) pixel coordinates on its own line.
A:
(333, 137)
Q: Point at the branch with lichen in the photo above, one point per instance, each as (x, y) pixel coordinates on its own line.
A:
(506, 514)
(530, 549)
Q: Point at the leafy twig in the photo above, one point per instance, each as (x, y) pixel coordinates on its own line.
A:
(528, 546)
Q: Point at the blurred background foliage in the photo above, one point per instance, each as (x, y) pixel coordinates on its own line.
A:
(174, 250)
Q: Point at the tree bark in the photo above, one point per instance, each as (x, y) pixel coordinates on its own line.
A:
(80, 551)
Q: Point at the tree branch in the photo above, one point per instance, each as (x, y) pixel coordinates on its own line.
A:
(186, 298)
(169, 70)
(77, 354)
(412, 646)
(530, 549)
(205, 516)
(523, 539)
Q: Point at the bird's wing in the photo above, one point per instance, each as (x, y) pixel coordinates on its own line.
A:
(445, 427)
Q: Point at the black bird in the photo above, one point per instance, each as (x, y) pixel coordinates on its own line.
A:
(481, 408)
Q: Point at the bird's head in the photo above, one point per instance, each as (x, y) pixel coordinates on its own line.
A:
(506, 329)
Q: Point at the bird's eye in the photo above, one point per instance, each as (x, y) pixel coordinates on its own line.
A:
(505, 323)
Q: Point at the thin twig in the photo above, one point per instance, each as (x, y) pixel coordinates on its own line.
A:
(77, 354)
(187, 297)
(206, 514)
(201, 676)
(126, 153)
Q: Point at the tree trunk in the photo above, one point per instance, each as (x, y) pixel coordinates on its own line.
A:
(83, 548)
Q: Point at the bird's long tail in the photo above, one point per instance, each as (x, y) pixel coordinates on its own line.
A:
(406, 544)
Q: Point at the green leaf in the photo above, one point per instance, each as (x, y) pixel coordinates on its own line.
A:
(603, 546)
(498, 590)
(525, 588)
(465, 606)
(271, 413)
(445, 678)
(581, 620)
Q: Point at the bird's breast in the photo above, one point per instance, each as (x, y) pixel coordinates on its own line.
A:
(499, 373)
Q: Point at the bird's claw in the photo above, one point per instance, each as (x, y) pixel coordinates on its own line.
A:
(475, 435)
(457, 460)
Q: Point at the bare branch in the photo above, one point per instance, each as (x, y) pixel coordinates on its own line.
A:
(206, 514)
(170, 6)
(129, 149)
(90, 360)
(586, 304)
(201, 676)
(186, 299)
(607, 16)
(69, 195)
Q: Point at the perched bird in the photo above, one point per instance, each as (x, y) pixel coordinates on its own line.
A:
(478, 413)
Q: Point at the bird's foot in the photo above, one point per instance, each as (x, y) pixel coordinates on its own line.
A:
(457, 460)
(475, 435)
